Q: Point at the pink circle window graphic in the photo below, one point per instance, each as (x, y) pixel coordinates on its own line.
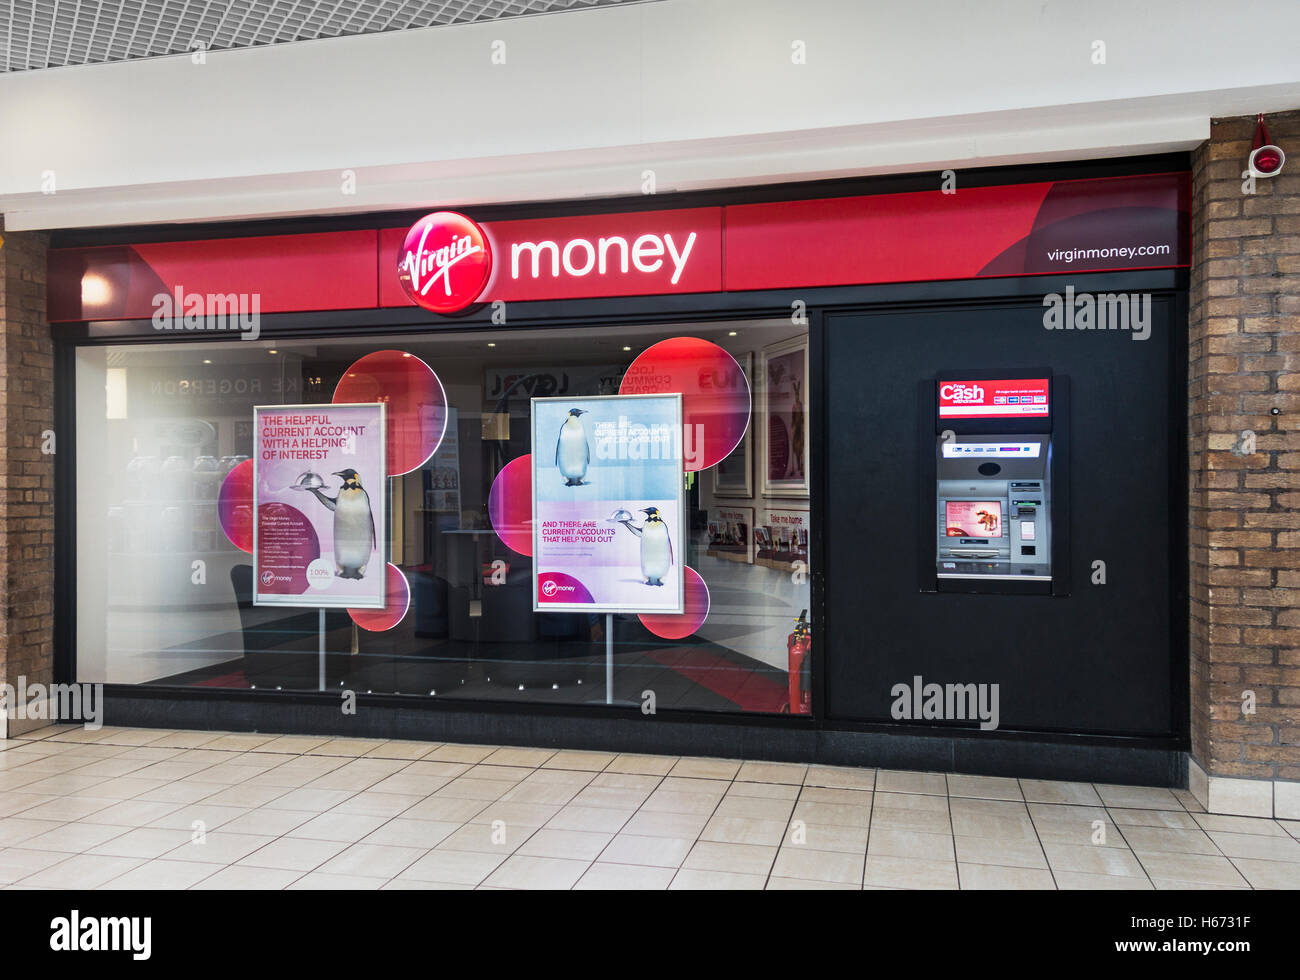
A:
(445, 262)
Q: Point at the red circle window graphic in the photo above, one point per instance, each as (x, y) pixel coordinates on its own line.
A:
(445, 262)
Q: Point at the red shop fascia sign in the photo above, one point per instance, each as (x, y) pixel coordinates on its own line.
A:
(1044, 228)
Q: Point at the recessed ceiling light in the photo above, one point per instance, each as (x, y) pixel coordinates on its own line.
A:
(207, 361)
(95, 289)
(273, 351)
(491, 344)
(731, 333)
(627, 348)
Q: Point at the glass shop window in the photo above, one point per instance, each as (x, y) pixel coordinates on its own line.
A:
(567, 516)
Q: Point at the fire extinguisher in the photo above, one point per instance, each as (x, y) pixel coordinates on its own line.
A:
(798, 645)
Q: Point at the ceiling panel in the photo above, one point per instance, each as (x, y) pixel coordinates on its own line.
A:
(56, 33)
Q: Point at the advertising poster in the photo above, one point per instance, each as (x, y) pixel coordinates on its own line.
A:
(319, 491)
(785, 395)
(781, 539)
(729, 534)
(608, 504)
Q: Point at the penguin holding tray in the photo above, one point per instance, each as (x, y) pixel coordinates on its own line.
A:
(320, 485)
(656, 543)
(608, 503)
(354, 521)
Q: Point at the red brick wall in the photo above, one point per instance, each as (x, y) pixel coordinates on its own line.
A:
(1245, 509)
(26, 473)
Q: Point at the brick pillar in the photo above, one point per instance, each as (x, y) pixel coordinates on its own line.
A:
(26, 473)
(1245, 506)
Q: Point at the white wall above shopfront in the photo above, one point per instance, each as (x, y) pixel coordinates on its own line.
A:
(704, 93)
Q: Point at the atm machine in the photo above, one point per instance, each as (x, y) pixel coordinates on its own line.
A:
(997, 490)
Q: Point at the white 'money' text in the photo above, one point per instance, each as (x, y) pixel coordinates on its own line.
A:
(580, 256)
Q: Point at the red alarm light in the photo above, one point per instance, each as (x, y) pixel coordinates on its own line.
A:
(1266, 159)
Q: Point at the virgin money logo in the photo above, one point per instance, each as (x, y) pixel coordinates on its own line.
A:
(268, 577)
(445, 262)
(552, 588)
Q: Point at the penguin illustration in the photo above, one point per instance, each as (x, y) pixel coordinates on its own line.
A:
(572, 454)
(656, 547)
(354, 525)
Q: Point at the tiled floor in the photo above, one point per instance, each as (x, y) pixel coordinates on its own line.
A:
(142, 808)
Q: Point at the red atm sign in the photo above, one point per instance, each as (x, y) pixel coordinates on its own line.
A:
(1011, 398)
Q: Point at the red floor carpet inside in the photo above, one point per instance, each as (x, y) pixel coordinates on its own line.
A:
(744, 688)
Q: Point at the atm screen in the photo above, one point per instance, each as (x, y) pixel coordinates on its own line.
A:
(974, 518)
(1004, 398)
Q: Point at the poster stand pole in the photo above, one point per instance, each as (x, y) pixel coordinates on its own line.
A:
(321, 611)
(609, 658)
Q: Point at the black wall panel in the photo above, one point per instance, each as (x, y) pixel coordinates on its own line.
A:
(1099, 660)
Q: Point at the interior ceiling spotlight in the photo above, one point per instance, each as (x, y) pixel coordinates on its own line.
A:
(1266, 159)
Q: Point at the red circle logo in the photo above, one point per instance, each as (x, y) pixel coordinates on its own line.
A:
(445, 262)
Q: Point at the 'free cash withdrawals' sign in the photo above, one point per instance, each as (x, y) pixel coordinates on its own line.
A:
(319, 487)
(608, 504)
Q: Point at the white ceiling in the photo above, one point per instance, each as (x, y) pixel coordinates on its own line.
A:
(702, 93)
